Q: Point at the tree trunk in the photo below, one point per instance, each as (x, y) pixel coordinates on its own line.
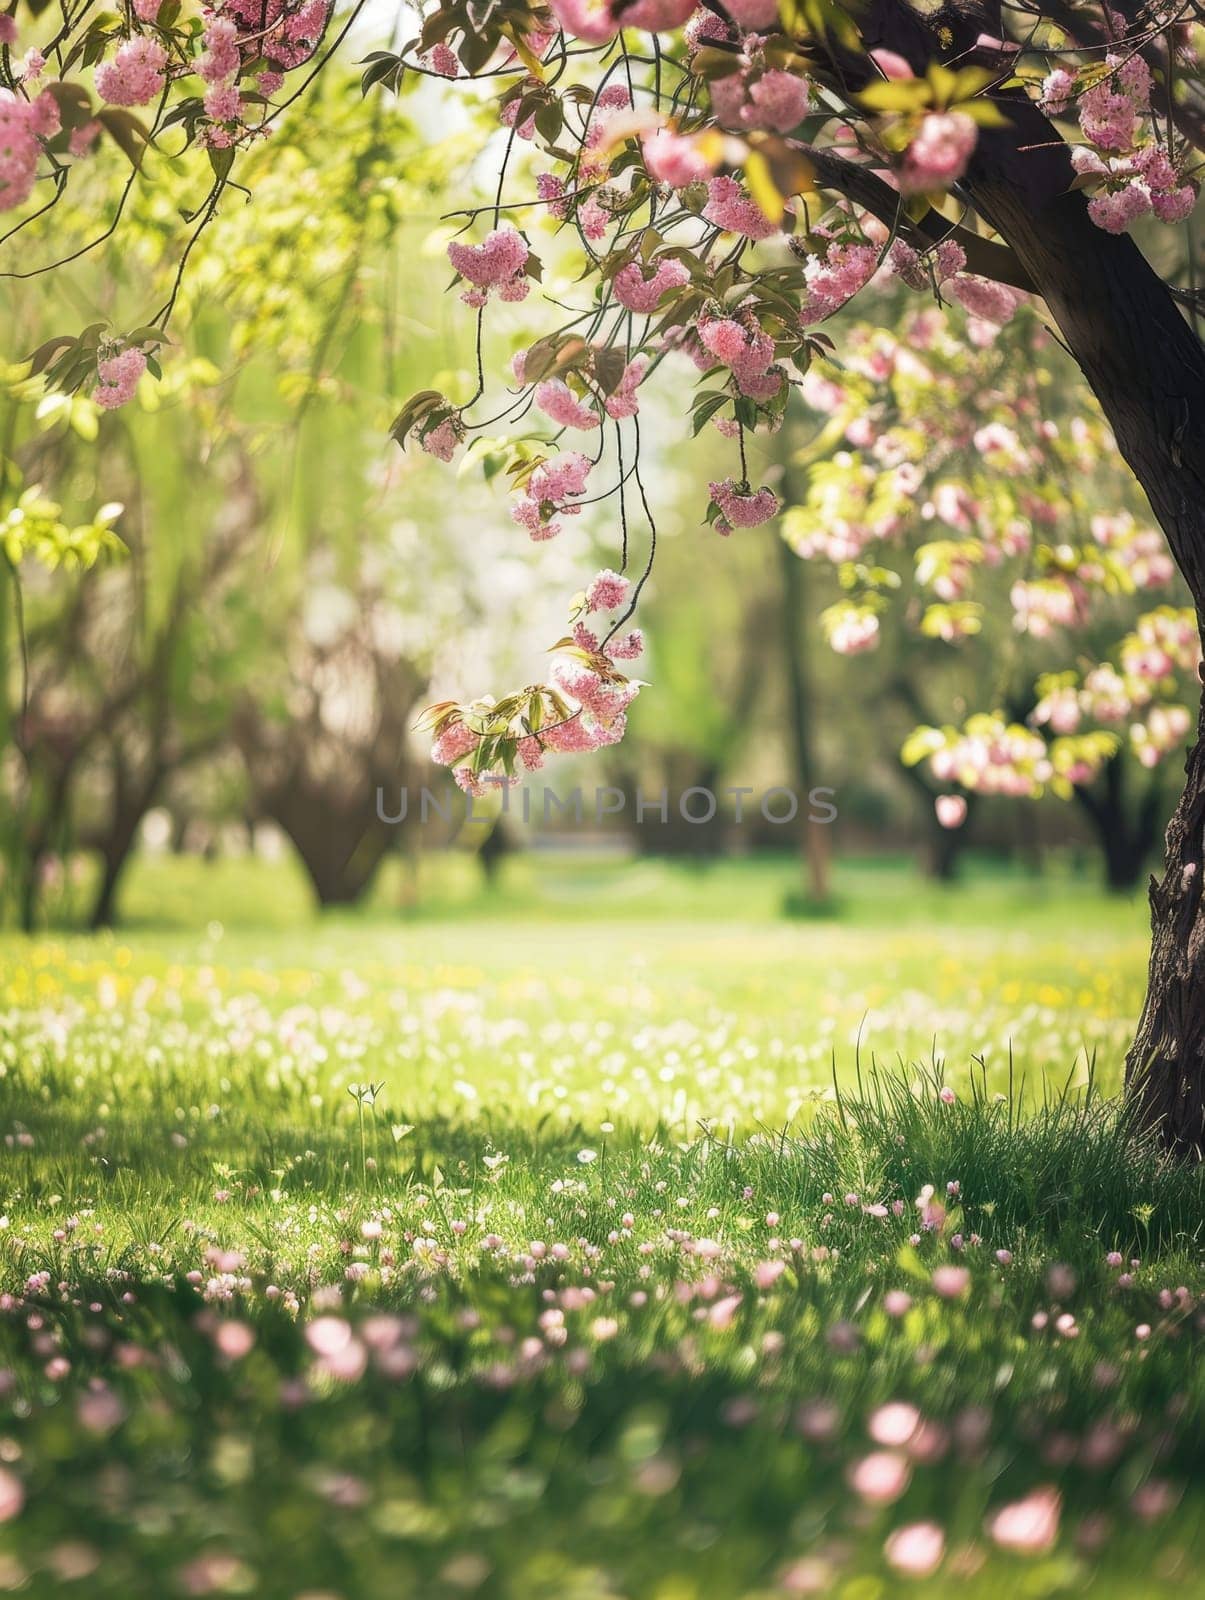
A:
(813, 837)
(1127, 835)
(1166, 1066)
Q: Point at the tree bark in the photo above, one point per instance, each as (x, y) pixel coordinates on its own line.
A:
(1165, 1070)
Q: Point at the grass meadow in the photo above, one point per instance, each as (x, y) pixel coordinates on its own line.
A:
(604, 1236)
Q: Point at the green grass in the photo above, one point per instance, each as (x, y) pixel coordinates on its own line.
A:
(612, 1263)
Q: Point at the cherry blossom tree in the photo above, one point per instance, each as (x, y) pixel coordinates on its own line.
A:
(706, 188)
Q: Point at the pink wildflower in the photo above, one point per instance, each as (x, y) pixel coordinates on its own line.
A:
(12, 1495)
(1029, 1526)
(880, 1477)
(916, 1549)
(951, 1283)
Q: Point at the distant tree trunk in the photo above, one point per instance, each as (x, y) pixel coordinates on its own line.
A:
(132, 799)
(1127, 835)
(340, 852)
(493, 851)
(814, 839)
(946, 846)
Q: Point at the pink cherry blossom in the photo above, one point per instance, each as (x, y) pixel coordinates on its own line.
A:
(23, 125)
(938, 155)
(135, 75)
(951, 810)
(742, 507)
(117, 377)
(674, 158)
(607, 592)
(640, 291)
(730, 208)
(557, 400)
(496, 262)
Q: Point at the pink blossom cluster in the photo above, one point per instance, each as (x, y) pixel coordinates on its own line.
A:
(1111, 112)
(603, 702)
(642, 291)
(598, 21)
(834, 278)
(729, 207)
(278, 34)
(442, 60)
(988, 302)
(1042, 604)
(851, 630)
(221, 58)
(607, 591)
(933, 269)
(1108, 697)
(117, 374)
(23, 125)
(557, 401)
(1164, 731)
(285, 33)
(775, 100)
(1059, 709)
(442, 440)
(498, 262)
(746, 350)
(1142, 551)
(674, 158)
(551, 489)
(1058, 91)
(1163, 641)
(1135, 186)
(740, 506)
(623, 402)
(937, 157)
(551, 189)
(135, 75)
(593, 159)
(994, 757)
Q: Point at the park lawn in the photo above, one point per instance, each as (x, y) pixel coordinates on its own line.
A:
(515, 1251)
